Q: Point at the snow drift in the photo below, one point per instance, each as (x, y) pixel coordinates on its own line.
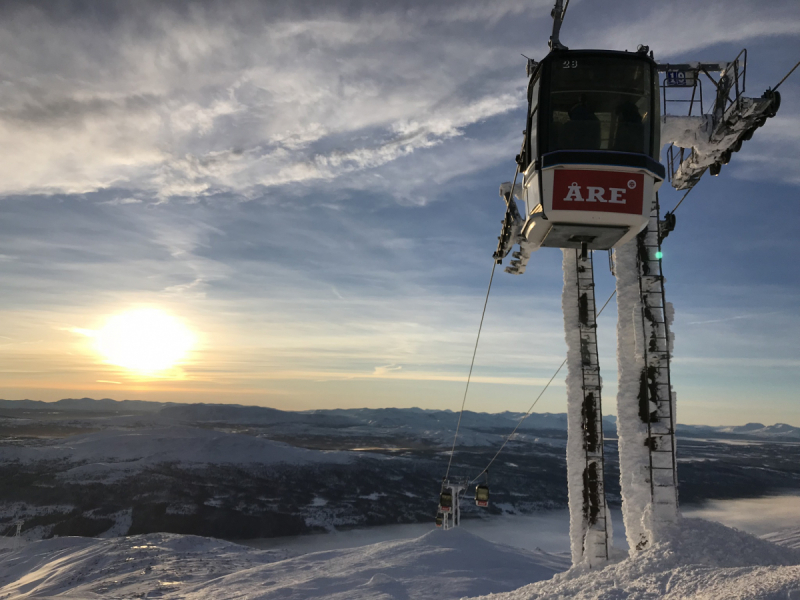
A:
(694, 559)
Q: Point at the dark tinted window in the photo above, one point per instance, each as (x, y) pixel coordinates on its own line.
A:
(533, 118)
(600, 103)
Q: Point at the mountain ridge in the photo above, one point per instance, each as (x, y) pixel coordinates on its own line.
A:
(396, 418)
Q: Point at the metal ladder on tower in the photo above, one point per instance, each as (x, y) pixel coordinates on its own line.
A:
(594, 499)
(656, 405)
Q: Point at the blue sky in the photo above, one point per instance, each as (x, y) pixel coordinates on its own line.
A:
(312, 189)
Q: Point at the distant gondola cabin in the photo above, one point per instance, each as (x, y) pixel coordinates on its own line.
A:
(590, 161)
(482, 495)
(446, 501)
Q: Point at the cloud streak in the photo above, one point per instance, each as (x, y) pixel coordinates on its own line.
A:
(205, 101)
(313, 187)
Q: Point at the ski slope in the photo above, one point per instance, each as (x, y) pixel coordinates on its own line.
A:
(435, 566)
(698, 559)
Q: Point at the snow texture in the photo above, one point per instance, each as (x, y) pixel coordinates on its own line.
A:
(438, 565)
(786, 537)
(687, 132)
(110, 453)
(643, 515)
(582, 538)
(694, 559)
(576, 457)
(155, 565)
(631, 430)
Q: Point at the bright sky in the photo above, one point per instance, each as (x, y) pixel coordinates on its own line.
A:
(307, 194)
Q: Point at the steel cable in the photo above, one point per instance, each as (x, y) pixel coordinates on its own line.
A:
(681, 200)
(527, 414)
(786, 77)
(477, 339)
(469, 376)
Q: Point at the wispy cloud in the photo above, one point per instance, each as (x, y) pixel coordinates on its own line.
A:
(734, 318)
(677, 27)
(205, 101)
(315, 193)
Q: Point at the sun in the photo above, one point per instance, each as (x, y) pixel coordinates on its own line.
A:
(146, 340)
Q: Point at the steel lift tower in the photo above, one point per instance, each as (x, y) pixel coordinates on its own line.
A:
(590, 169)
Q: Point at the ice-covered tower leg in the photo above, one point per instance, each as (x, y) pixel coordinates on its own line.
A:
(589, 520)
(645, 401)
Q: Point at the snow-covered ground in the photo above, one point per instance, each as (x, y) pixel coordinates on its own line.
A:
(698, 559)
(546, 530)
(167, 445)
(701, 560)
(434, 566)
(114, 454)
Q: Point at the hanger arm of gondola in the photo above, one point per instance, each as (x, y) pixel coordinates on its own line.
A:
(558, 13)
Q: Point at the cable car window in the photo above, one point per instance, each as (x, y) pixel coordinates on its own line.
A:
(532, 150)
(534, 98)
(600, 103)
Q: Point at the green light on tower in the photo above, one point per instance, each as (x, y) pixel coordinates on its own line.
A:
(659, 255)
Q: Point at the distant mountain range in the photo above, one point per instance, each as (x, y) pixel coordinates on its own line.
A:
(430, 424)
(750, 431)
(103, 467)
(87, 404)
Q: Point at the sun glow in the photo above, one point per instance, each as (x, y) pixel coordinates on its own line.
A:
(145, 340)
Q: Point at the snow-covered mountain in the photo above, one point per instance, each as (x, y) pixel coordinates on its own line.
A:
(240, 472)
(146, 477)
(86, 404)
(434, 425)
(431, 426)
(751, 431)
(137, 448)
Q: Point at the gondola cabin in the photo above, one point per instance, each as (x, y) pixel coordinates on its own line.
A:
(590, 160)
(446, 501)
(439, 518)
(482, 495)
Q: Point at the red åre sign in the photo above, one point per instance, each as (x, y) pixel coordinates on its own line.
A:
(603, 191)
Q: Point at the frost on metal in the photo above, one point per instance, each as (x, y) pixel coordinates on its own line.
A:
(589, 516)
(631, 430)
(706, 141)
(687, 132)
(645, 400)
(575, 453)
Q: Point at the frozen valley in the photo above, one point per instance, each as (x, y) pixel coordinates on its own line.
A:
(241, 472)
